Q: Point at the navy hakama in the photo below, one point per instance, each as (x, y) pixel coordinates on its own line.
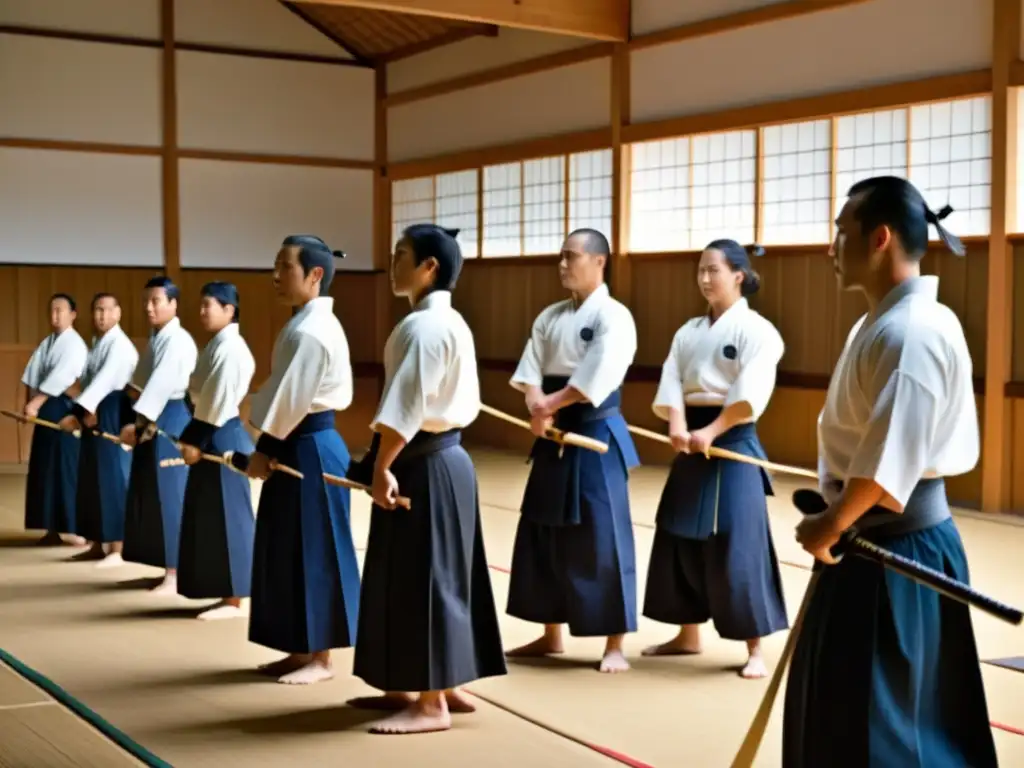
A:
(156, 494)
(713, 556)
(305, 585)
(52, 472)
(427, 619)
(886, 671)
(103, 471)
(217, 523)
(574, 559)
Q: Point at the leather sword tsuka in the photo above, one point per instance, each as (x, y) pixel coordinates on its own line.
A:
(810, 502)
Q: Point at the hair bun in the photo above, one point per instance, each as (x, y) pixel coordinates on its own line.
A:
(755, 251)
(338, 254)
(451, 232)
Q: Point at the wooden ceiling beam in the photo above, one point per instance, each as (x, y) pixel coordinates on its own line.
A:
(453, 35)
(315, 24)
(595, 19)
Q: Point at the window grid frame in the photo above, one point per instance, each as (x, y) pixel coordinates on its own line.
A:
(759, 178)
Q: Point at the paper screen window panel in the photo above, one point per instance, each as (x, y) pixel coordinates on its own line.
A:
(951, 160)
(456, 202)
(869, 144)
(543, 206)
(590, 191)
(660, 196)
(724, 167)
(689, 191)
(503, 210)
(412, 202)
(796, 192)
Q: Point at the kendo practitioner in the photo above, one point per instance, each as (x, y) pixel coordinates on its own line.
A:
(305, 586)
(427, 620)
(103, 406)
(217, 523)
(713, 555)
(54, 368)
(156, 495)
(886, 671)
(574, 559)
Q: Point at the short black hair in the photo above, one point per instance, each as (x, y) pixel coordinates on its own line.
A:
(314, 252)
(894, 202)
(431, 241)
(596, 244)
(97, 298)
(67, 297)
(225, 294)
(593, 241)
(162, 281)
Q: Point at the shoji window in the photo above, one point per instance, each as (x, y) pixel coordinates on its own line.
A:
(796, 192)
(688, 191)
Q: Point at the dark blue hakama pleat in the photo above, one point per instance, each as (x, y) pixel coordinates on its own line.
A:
(156, 495)
(427, 619)
(103, 471)
(574, 558)
(713, 555)
(52, 473)
(305, 585)
(217, 524)
(886, 672)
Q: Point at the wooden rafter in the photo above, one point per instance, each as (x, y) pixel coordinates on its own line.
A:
(596, 19)
(315, 23)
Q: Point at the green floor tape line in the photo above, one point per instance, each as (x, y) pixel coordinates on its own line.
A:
(116, 735)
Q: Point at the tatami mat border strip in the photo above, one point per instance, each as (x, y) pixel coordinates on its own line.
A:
(77, 707)
(625, 758)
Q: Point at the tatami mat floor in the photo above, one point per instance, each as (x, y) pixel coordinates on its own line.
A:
(184, 689)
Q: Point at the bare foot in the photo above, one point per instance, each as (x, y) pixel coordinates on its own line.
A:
(223, 611)
(614, 661)
(672, 648)
(113, 560)
(755, 668)
(283, 666)
(74, 540)
(416, 718)
(95, 552)
(169, 586)
(542, 646)
(459, 703)
(313, 672)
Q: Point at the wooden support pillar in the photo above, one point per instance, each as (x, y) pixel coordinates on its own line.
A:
(169, 156)
(381, 215)
(995, 472)
(622, 285)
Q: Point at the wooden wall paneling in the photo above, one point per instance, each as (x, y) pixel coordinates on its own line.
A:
(24, 295)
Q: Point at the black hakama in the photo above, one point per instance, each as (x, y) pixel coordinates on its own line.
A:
(217, 523)
(156, 494)
(427, 620)
(305, 580)
(574, 559)
(713, 555)
(52, 472)
(886, 671)
(103, 470)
